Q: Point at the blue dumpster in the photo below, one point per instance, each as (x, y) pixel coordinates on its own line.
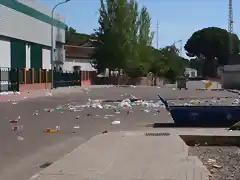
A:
(204, 116)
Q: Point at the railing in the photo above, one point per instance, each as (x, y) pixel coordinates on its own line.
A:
(64, 78)
(11, 79)
(33, 76)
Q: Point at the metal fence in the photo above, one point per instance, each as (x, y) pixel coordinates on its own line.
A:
(9, 79)
(12, 78)
(64, 78)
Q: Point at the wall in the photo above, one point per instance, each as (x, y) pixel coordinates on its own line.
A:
(230, 77)
(84, 63)
(5, 57)
(35, 23)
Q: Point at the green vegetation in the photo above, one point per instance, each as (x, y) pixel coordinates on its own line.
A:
(124, 43)
(74, 38)
(210, 49)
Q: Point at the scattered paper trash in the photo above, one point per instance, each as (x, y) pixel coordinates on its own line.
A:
(76, 127)
(115, 122)
(210, 161)
(20, 138)
(58, 128)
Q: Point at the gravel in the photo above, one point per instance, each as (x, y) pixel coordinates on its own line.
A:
(223, 162)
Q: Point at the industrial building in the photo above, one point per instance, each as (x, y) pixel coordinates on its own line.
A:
(25, 35)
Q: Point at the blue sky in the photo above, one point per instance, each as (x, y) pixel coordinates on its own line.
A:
(178, 19)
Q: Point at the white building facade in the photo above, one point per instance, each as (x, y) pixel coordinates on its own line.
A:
(25, 35)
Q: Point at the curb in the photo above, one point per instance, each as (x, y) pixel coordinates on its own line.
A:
(234, 91)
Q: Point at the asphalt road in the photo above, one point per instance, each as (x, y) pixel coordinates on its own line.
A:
(20, 159)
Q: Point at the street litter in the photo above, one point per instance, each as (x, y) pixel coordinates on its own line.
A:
(20, 138)
(49, 130)
(217, 166)
(17, 128)
(76, 127)
(115, 122)
(49, 94)
(6, 93)
(210, 161)
(126, 103)
(15, 120)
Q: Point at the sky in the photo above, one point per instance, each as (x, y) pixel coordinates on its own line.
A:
(177, 19)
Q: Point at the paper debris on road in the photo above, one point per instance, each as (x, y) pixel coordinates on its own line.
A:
(115, 122)
(58, 128)
(20, 138)
(76, 127)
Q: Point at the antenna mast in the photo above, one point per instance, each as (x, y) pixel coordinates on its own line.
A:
(230, 30)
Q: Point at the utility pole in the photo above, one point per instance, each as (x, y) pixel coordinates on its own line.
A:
(230, 31)
(53, 41)
(157, 33)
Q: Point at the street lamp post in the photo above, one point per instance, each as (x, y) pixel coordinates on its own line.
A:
(179, 41)
(52, 41)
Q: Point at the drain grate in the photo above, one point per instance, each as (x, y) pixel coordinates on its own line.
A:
(158, 134)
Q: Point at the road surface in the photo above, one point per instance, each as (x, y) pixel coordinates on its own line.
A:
(20, 159)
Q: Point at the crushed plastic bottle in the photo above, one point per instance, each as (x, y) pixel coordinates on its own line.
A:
(126, 103)
(15, 120)
(17, 128)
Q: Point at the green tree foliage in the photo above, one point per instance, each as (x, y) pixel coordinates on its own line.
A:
(123, 42)
(74, 38)
(167, 63)
(197, 63)
(123, 37)
(211, 44)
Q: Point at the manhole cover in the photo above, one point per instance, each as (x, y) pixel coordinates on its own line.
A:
(158, 134)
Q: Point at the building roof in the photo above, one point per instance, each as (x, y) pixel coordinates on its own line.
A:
(78, 52)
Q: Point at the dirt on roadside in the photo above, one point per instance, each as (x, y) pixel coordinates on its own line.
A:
(223, 162)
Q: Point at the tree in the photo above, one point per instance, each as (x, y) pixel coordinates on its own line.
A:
(74, 38)
(102, 36)
(197, 63)
(121, 36)
(145, 38)
(211, 44)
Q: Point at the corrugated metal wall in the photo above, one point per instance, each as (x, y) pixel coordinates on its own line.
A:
(15, 24)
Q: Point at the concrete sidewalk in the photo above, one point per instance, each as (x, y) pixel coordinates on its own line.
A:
(133, 156)
(31, 94)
